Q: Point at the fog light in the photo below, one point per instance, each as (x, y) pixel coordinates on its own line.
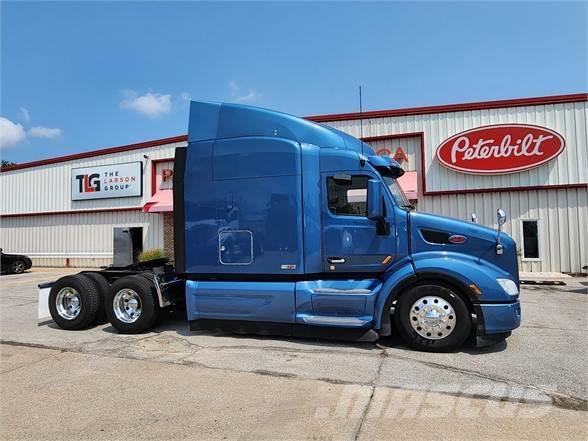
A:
(508, 286)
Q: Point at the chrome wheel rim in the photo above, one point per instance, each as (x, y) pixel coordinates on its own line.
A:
(432, 317)
(127, 306)
(68, 303)
(18, 267)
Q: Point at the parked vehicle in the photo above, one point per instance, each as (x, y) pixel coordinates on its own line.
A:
(284, 226)
(14, 263)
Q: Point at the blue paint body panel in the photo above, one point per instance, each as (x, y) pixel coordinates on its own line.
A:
(256, 211)
(340, 298)
(254, 301)
(501, 317)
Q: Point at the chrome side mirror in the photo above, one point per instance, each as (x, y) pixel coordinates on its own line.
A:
(474, 218)
(501, 218)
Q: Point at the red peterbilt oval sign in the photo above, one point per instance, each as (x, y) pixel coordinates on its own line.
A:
(498, 149)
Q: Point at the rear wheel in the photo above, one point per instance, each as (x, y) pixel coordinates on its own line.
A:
(103, 287)
(131, 306)
(18, 266)
(433, 318)
(74, 302)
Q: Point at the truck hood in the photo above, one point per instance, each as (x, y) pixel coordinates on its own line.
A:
(429, 232)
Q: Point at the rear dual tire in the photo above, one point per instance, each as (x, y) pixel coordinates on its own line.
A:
(74, 302)
(103, 287)
(130, 304)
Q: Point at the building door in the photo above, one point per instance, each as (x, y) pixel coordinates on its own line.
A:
(128, 244)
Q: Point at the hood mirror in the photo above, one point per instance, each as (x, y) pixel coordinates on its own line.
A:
(501, 218)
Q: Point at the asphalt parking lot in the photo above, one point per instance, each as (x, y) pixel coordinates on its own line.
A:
(173, 383)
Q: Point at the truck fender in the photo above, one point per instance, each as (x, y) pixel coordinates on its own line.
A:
(397, 279)
(462, 271)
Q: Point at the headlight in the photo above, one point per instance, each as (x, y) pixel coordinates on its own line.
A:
(508, 286)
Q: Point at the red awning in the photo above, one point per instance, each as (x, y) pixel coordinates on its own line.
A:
(408, 183)
(162, 201)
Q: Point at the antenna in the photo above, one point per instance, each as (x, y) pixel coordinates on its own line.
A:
(360, 121)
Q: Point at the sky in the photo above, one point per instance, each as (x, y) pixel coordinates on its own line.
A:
(78, 76)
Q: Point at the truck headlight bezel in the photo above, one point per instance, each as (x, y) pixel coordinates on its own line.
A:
(509, 287)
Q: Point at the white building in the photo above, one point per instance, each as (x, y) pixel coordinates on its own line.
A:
(527, 156)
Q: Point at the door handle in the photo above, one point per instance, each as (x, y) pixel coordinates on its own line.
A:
(335, 260)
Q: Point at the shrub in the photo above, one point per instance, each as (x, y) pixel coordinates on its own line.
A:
(154, 253)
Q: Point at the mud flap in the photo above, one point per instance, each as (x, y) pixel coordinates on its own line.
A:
(43, 314)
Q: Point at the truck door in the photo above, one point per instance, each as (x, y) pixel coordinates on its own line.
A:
(352, 243)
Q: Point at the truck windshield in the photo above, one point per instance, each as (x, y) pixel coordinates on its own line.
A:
(397, 192)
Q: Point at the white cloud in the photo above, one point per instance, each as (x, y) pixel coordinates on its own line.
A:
(45, 132)
(239, 97)
(150, 104)
(186, 96)
(10, 133)
(24, 114)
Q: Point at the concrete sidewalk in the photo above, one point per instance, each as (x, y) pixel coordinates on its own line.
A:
(59, 395)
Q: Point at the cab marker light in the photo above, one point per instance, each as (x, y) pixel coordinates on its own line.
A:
(386, 260)
(476, 290)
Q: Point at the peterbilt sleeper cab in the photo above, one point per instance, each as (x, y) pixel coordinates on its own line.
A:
(284, 226)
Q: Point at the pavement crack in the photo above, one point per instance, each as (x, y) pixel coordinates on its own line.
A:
(374, 384)
(8, 371)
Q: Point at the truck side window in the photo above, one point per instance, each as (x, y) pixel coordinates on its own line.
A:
(349, 198)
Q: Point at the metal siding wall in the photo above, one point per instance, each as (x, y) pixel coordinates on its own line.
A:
(48, 188)
(87, 238)
(84, 238)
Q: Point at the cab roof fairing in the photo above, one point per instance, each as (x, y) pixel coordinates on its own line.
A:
(210, 120)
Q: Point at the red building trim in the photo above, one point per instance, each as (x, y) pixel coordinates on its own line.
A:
(446, 108)
(90, 154)
(425, 192)
(55, 213)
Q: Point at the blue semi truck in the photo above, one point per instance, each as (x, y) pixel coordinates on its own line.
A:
(283, 226)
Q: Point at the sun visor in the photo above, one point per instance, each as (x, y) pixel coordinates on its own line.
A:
(386, 166)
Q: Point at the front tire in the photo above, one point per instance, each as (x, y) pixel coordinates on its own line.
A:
(432, 318)
(131, 305)
(74, 302)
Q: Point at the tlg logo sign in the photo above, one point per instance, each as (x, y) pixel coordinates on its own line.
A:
(88, 183)
(107, 181)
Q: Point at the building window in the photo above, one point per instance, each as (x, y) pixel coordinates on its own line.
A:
(348, 198)
(531, 240)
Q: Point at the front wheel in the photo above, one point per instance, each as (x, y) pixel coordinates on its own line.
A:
(432, 318)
